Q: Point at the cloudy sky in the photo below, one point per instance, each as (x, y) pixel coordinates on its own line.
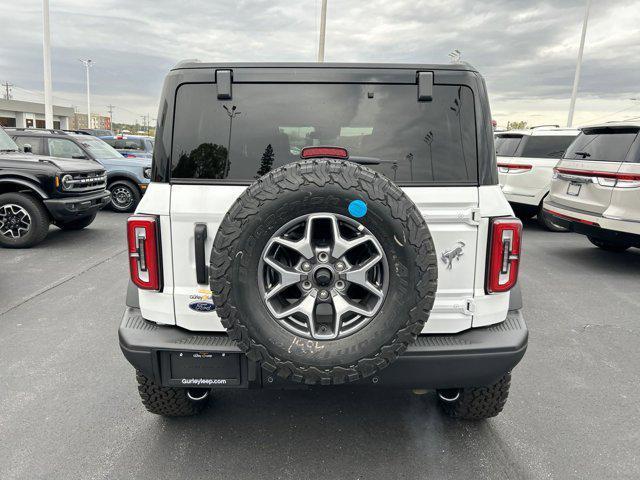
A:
(526, 49)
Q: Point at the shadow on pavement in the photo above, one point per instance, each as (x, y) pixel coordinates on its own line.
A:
(347, 433)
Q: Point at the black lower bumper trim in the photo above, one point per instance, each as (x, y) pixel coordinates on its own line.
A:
(70, 208)
(595, 231)
(476, 357)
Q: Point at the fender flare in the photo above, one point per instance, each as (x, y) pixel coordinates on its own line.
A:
(26, 183)
(122, 175)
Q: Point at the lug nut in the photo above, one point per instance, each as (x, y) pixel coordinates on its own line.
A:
(340, 266)
(339, 284)
(323, 294)
(306, 266)
(306, 285)
(323, 257)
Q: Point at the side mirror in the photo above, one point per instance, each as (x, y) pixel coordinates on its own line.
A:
(26, 148)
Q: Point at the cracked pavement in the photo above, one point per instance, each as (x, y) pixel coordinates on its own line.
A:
(69, 406)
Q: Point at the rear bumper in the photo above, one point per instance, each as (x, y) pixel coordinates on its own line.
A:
(476, 357)
(66, 209)
(602, 228)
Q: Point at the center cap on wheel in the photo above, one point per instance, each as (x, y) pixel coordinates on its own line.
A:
(323, 276)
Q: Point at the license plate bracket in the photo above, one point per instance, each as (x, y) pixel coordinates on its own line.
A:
(203, 369)
(574, 189)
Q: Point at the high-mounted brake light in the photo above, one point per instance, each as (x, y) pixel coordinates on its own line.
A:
(513, 168)
(144, 254)
(504, 254)
(327, 152)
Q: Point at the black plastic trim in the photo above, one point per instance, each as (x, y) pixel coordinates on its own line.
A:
(70, 208)
(595, 231)
(199, 239)
(476, 357)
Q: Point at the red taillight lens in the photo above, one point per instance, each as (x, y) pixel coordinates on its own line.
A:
(144, 258)
(513, 168)
(504, 254)
(330, 152)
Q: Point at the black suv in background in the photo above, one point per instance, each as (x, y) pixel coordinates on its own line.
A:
(127, 178)
(36, 191)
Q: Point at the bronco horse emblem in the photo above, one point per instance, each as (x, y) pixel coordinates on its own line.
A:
(448, 256)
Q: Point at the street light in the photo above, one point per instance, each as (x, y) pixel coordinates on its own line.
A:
(46, 58)
(576, 78)
(232, 113)
(88, 63)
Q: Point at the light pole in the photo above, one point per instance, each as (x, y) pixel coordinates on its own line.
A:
(231, 112)
(46, 58)
(88, 63)
(576, 78)
(323, 27)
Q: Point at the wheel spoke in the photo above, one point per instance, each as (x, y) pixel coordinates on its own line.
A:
(358, 275)
(342, 306)
(306, 306)
(342, 245)
(302, 246)
(288, 277)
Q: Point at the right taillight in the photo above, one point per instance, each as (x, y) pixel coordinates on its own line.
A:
(504, 254)
(144, 253)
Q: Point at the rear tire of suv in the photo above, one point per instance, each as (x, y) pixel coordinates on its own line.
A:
(24, 212)
(545, 221)
(609, 246)
(476, 403)
(168, 401)
(125, 196)
(78, 224)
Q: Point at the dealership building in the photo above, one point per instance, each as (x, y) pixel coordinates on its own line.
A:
(16, 113)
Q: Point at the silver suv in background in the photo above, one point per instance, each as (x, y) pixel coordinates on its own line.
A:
(596, 186)
(525, 166)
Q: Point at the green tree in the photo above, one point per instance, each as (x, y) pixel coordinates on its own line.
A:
(205, 161)
(521, 125)
(266, 162)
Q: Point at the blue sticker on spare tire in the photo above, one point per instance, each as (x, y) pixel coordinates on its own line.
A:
(202, 306)
(357, 208)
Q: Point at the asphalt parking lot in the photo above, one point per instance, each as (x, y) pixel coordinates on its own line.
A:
(69, 407)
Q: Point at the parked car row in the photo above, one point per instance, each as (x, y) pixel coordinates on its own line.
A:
(585, 180)
(62, 178)
(127, 178)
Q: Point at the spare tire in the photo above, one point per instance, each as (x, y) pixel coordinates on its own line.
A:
(323, 271)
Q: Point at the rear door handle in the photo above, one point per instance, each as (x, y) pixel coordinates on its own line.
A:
(199, 238)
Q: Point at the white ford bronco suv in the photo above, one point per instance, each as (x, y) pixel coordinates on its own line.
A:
(323, 224)
(596, 186)
(526, 159)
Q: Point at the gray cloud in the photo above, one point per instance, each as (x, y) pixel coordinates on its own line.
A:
(526, 50)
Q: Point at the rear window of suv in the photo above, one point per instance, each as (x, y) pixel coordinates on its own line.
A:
(507, 145)
(603, 144)
(533, 146)
(551, 146)
(266, 125)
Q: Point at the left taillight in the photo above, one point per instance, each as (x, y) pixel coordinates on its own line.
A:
(144, 251)
(504, 254)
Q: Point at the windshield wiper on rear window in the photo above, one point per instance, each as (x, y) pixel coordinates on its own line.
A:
(8, 150)
(584, 154)
(368, 160)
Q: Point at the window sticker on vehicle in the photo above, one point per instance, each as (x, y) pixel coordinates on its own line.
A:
(201, 301)
(357, 208)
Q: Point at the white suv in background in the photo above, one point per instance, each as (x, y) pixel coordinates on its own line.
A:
(596, 186)
(525, 166)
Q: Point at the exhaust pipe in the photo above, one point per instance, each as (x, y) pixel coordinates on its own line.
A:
(450, 395)
(197, 394)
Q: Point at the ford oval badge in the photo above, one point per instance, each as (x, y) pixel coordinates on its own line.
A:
(202, 306)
